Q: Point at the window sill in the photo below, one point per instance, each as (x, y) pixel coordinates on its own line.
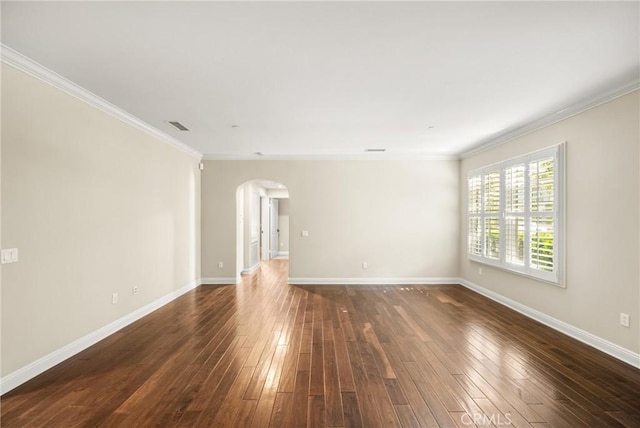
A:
(556, 283)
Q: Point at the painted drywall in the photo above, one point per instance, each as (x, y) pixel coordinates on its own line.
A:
(283, 224)
(401, 217)
(95, 207)
(603, 223)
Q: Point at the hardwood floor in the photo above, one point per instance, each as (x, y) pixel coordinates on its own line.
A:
(264, 353)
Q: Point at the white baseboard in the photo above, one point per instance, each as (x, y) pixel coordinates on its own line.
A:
(372, 281)
(220, 281)
(252, 269)
(283, 253)
(599, 343)
(22, 375)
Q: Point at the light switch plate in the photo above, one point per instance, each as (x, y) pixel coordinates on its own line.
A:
(9, 255)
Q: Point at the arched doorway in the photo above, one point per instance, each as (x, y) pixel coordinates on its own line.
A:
(262, 219)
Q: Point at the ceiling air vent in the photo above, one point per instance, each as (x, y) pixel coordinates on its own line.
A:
(178, 126)
(375, 150)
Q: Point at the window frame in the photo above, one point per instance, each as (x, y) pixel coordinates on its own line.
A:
(557, 276)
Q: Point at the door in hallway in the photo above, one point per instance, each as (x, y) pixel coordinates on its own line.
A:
(274, 230)
(265, 227)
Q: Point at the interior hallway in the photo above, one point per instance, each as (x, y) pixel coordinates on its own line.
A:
(264, 353)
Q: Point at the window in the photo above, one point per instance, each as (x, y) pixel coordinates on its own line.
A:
(515, 214)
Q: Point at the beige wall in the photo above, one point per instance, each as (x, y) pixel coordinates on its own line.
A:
(603, 223)
(95, 206)
(399, 216)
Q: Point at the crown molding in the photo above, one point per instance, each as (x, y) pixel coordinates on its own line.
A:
(20, 62)
(337, 156)
(550, 119)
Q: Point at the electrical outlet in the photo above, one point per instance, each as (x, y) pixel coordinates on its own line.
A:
(135, 290)
(220, 265)
(479, 271)
(305, 233)
(624, 319)
(365, 265)
(114, 298)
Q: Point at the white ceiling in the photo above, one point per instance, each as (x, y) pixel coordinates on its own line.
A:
(334, 78)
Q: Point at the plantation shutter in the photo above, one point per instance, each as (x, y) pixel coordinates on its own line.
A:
(475, 211)
(514, 214)
(492, 215)
(542, 211)
(514, 235)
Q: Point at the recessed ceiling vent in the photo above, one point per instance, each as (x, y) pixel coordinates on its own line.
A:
(375, 150)
(178, 125)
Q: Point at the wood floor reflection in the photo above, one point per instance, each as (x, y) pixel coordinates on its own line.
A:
(264, 353)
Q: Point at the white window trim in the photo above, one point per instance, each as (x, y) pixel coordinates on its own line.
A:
(557, 277)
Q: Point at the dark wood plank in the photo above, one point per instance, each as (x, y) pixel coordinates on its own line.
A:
(352, 418)
(230, 407)
(244, 414)
(282, 408)
(317, 355)
(267, 398)
(333, 398)
(316, 415)
(345, 374)
(406, 416)
(368, 407)
(287, 381)
(300, 400)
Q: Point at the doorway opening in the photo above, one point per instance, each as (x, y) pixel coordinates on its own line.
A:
(262, 214)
